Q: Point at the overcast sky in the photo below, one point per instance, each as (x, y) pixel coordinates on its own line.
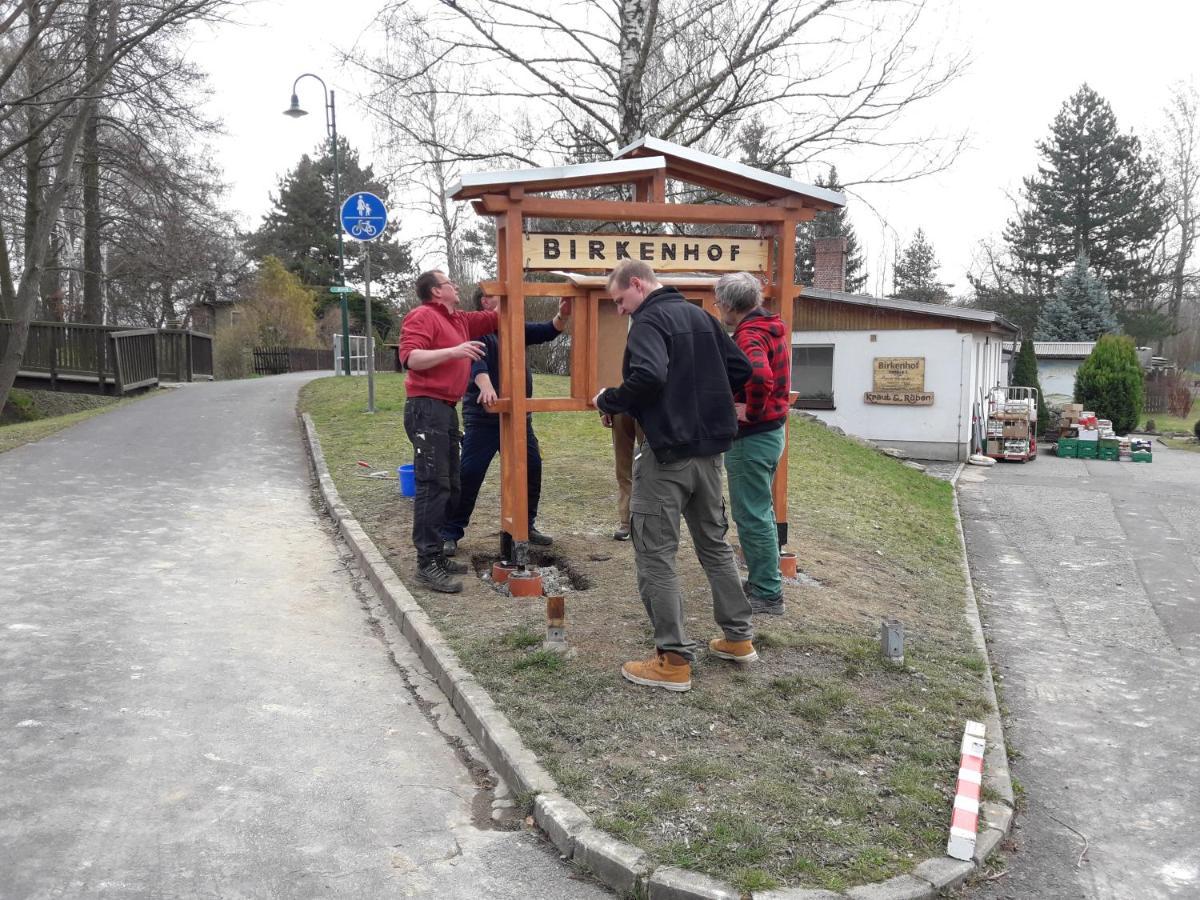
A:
(1028, 56)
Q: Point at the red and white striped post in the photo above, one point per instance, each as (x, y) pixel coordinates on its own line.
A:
(964, 823)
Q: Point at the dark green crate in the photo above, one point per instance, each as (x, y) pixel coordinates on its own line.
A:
(1067, 442)
(1113, 443)
(1069, 451)
(1088, 450)
(1142, 456)
(1108, 455)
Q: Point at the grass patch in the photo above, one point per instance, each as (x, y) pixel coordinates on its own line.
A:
(1190, 444)
(32, 415)
(819, 766)
(1165, 422)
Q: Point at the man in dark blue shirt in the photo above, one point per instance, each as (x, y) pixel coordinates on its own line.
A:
(481, 439)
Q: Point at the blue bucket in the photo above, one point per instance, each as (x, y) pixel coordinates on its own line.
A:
(408, 480)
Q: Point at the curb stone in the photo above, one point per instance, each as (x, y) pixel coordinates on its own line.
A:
(621, 866)
(902, 887)
(670, 883)
(561, 820)
(944, 872)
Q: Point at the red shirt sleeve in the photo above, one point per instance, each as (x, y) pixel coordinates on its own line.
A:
(485, 321)
(416, 333)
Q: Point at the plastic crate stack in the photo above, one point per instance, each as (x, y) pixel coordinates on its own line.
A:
(1082, 435)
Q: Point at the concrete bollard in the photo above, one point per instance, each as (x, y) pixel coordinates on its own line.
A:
(891, 641)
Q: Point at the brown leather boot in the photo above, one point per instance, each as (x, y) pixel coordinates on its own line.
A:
(665, 670)
(738, 651)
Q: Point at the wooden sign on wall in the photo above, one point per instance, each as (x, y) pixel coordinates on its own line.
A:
(664, 252)
(899, 373)
(899, 398)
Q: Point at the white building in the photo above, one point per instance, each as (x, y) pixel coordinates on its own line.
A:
(1057, 361)
(903, 374)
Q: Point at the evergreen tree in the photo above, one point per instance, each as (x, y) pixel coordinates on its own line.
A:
(302, 227)
(1110, 381)
(1080, 310)
(830, 223)
(1025, 374)
(1095, 193)
(915, 273)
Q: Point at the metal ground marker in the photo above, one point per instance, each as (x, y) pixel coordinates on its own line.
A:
(964, 823)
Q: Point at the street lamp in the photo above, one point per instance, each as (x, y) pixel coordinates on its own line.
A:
(294, 111)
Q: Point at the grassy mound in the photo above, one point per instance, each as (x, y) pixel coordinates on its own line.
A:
(818, 766)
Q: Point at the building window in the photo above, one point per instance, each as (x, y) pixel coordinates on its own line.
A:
(812, 376)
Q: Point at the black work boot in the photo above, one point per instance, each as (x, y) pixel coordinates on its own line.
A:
(455, 568)
(432, 573)
(536, 537)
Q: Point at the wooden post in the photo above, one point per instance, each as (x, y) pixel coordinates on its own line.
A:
(583, 312)
(785, 278)
(514, 475)
(55, 337)
(102, 384)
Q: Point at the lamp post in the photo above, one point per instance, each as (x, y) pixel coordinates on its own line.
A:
(294, 111)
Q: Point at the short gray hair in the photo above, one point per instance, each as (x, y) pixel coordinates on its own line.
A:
(739, 292)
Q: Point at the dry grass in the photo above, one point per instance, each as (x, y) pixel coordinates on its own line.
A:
(49, 412)
(818, 766)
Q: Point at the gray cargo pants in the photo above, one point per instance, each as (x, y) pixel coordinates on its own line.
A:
(661, 493)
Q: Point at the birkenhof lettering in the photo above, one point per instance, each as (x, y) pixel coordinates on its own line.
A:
(899, 373)
(663, 252)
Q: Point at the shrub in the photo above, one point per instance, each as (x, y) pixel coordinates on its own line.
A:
(19, 408)
(233, 349)
(1110, 381)
(1179, 398)
(1025, 374)
(1151, 425)
(1196, 429)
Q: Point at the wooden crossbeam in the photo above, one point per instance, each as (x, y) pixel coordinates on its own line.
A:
(626, 211)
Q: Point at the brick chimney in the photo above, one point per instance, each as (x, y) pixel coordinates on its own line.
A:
(829, 265)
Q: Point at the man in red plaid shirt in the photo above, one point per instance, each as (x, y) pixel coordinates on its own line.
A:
(762, 407)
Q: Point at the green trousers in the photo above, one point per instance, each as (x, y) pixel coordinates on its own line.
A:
(751, 463)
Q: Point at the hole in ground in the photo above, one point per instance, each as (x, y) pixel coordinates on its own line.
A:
(558, 573)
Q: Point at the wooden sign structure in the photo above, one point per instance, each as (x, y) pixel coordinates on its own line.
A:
(515, 199)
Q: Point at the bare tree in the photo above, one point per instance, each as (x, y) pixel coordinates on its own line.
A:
(431, 127)
(536, 83)
(834, 73)
(58, 66)
(1178, 147)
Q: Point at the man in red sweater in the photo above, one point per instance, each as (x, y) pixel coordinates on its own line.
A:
(762, 409)
(437, 347)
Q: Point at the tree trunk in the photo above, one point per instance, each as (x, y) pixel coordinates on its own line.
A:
(8, 293)
(37, 241)
(635, 16)
(167, 305)
(93, 259)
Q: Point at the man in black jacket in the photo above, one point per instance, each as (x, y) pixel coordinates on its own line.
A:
(679, 373)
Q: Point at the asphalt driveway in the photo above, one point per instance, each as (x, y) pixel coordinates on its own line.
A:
(195, 699)
(1088, 578)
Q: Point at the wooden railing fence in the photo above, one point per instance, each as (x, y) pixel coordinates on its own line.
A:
(278, 360)
(109, 358)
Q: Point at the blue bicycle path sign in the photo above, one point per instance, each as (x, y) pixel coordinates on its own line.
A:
(364, 216)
